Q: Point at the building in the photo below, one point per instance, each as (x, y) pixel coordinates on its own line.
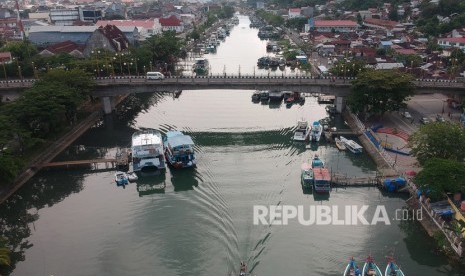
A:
(66, 47)
(342, 26)
(109, 37)
(47, 35)
(294, 13)
(68, 17)
(171, 23)
(146, 28)
(449, 42)
(379, 23)
(5, 57)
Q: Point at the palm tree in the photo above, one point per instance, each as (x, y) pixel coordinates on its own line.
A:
(4, 253)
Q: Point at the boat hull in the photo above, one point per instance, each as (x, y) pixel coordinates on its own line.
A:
(392, 269)
(371, 267)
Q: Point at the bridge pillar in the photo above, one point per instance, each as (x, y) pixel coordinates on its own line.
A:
(108, 104)
(340, 104)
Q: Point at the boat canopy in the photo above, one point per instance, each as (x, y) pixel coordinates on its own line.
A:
(180, 140)
(316, 123)
(321, 174)
(145, 138)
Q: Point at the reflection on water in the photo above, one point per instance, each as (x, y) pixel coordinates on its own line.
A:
(200, 221)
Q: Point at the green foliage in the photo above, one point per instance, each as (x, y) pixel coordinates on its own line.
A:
(76, 79)
(378, 91)
(10, 166)
(163, 47)
(290, 54)
(430, 24)
(272, 19)
(345, 68)
(410, 61)
(439, 140)
(305, 67)
(226, 12)
(440, 176)
(297, 23)
(4, 251)
(23, 50)
(393, 15)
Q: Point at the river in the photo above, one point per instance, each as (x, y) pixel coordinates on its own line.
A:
(200, 221)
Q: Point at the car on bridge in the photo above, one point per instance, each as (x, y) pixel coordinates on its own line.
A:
(439, 118)
(425, 120)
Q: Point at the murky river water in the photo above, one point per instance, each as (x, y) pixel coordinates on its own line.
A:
(200, 221)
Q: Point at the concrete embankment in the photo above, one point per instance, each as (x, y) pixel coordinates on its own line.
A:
(53, 150)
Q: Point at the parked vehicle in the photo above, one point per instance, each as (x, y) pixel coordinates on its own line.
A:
(425, 120)
(406, 115)
(439, 118)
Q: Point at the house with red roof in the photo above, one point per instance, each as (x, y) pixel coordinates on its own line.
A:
(5, 57)
(452, 42)
(294, 13)
(171, 23)
(146, 27)
(65, 47)
(109, 37)
(379, 23)
(342, 26)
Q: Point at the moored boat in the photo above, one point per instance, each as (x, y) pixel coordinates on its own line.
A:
(322, 180)
(276, 96)
(339, 144)
(243, 269)
(317, 129)
(179, 150)
(264, 96)
(201, 66)
(351, 268)
(370, 268)
(132, 176)
(256, 96)
(302, 131)
(147, 151)
(392, 269)
(351, 145)
(317, 162)
(306, 175)
(121, 178)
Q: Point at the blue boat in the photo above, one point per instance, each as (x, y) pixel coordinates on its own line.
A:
(317, 162)
(315, 134)
(121, 178)
(392, 269)
(351, 268)
(179, 150)
(370, 268)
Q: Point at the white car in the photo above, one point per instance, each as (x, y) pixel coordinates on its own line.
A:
(406, 115)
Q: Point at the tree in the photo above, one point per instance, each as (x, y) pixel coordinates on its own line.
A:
(23, 50)
(163, 48)
(439, 176)
(9, 169)
(4, 253)
(393, 14)
(76, 79)
(438, 140)
(379, 91)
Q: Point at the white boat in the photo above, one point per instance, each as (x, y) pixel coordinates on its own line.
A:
(306, 175)
(302, 131)
(121, 178)
(392, 269)
(370, 268)
(317, 129)
(132, 176)
(351, 145)
(147, 151)
(339, 144)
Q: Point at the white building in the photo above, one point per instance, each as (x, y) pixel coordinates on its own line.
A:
(294, 13)
(448, 42)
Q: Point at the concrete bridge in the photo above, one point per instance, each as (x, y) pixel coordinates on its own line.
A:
(109, 87)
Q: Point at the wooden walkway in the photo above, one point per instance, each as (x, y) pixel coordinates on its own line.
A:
(342, 180)
(111, 162)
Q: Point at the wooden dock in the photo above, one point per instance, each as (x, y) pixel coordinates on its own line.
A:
(111, 162)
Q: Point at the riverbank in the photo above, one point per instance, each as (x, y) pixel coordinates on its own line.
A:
(48, 154)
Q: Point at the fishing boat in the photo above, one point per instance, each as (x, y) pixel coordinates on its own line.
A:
(392, 269)
(256, 96)
(132, 176)
(243, 269)
(264, 96)
(200, 66)
(351, 268)
(317, 162)
(121, 178)
(322, 180)
(370, 268)
(351, 145)
(276, 96)
(147, 151)
(179, 150)
(302, 131)
(306, 175)
(339, 144)
(317, 129)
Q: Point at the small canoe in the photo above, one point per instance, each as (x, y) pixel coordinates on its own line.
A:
(243, 269)
(351, 268)
(339, 144)
(121, 178)
(370, 268)
(392, 269)
(132, 176)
